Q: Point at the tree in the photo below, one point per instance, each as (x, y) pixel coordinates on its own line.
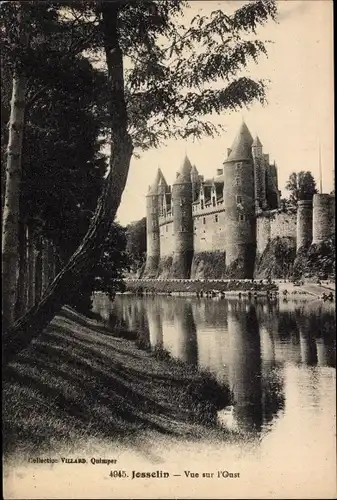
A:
(13, 177)
(167, 92)
(302, 186)
(136, 243)
(32, 36)
(62, 165)
(107, 275)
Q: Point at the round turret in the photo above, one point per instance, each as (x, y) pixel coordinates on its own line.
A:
(182, 222)
(239, 205)
(152, 229)
(195, 182)
(304, 224)
(323, 217)
(162, 184)
(259, 174)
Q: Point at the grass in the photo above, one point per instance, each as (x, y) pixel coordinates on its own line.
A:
(77, 381)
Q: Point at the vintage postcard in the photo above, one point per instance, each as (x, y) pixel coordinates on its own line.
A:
(168, 249)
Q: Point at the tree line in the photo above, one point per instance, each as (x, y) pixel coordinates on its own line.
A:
(157, 83)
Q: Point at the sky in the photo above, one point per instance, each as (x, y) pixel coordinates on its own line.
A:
(297, 118)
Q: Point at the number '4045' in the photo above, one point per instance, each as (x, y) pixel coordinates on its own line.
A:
(117, 473)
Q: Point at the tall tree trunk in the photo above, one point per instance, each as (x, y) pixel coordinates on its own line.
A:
(12, 196)
(31, 266)
(45, 264)
(21, 302)
(38, 270)
(68, 280)
(51, 259)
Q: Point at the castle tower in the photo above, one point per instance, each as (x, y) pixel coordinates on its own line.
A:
(304, 224)
(195, 182)
(239, 205)
(259, 175)
(162, 189)
(323, 217)
(182, 222)
(152, 229)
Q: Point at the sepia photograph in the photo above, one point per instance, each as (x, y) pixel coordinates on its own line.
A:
(168, 249)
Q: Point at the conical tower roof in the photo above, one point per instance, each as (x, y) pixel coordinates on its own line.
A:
(158, 179)
(162, 180)
(257, 142)
(194, 174)
(184, 172)
(242, 145)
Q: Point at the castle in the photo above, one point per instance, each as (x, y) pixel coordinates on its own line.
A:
(229, 219)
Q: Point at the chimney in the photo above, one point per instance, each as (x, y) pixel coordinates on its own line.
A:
(219, 171)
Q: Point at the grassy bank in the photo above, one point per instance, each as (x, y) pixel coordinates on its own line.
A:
(197, 286)
(78, 381)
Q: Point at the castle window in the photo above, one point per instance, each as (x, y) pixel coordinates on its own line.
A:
(166, 228)
(202, 204)
(238, 167)
(242, 217)
(216, 218)
(172, 211)
(204, 220)
(213, 201)
(238, 199)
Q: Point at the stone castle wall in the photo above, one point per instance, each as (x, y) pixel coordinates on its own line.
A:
(283, 225)
(166, 238)
(272, 225)
(304, 224)
(323, 217)
(209, 231)
(262, 234)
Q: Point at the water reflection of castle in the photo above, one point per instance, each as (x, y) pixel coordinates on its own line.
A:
(242, 344)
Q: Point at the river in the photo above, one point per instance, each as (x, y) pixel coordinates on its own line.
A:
(278, 358)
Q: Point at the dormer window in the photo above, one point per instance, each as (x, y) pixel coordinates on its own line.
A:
(213, 201)
(238, 199)
(202, 204)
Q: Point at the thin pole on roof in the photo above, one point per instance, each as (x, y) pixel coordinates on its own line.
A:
(320, 168)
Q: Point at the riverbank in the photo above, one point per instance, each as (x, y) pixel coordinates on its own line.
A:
(230, 288)
(77, 381)
(200, 287)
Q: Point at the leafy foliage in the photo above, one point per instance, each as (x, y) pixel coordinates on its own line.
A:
(63, 166)
(136, 242)
(107, 275)
(302, 186)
